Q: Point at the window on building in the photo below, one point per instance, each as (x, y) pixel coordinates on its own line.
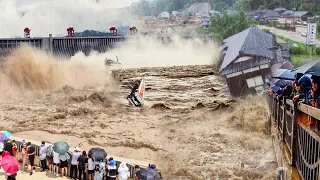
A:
(253, 82)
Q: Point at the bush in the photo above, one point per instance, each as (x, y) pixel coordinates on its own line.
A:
(318, 50)
(266, 30)
(296, 50)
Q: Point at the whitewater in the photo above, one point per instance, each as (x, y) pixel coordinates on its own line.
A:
(190, 127)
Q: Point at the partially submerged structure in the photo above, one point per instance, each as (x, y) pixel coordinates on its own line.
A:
(247, 58)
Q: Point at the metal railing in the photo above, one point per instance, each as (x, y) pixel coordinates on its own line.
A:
(300, 138)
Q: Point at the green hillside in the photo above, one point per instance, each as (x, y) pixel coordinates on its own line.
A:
(154, 7)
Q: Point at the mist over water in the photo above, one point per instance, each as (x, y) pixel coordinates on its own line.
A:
(55, 16)
(150, 52)
(212, 136)
(30, 69)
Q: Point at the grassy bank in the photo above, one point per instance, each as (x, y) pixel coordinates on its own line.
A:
(308, 52)
(298, 60)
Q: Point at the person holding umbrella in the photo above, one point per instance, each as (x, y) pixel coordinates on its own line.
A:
(99, 170)
(10, 165)
(64, 163)
(60, 150)
(96, 155)
(91, 167)
(56, 163)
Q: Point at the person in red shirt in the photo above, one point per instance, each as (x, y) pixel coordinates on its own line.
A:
(14, 148)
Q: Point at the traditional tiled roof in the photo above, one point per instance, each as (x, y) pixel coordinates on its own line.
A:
(250, 42)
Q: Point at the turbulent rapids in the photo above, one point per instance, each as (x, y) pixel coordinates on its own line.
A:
(189, 125)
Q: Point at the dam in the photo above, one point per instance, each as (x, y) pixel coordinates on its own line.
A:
(61, 46)
(66, 47)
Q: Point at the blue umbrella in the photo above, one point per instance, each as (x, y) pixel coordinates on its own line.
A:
(288, 74)
(314, 70)
(283, 83)
(61, 147)
(4, 135)
(313, 65)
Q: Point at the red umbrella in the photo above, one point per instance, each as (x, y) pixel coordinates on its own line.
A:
(5, 153)
(10, 164)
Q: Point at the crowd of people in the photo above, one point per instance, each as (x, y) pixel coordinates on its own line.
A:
(81, 163)
(304, 89)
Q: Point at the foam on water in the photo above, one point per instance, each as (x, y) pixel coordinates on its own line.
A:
(210, 135)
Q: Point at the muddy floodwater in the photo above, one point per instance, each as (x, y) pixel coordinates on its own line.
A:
(189, 127)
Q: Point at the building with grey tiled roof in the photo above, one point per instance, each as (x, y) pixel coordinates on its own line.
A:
(246, 60)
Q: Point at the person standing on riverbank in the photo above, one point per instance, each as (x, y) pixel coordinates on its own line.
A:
(112, 170)
(56, 163)
(123, 171)
(8, 147)
(74, 162)
(91, 167)
(24, 154)
(43, 156)
(31, 155)
(14, 148)
(82, 160)
(49, 157)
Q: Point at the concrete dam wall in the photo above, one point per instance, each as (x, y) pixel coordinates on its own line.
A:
(61, 46)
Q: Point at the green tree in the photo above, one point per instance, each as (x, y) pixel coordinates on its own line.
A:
(243, 5)
(227, 25)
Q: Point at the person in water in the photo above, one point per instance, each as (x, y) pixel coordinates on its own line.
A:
(134, 90)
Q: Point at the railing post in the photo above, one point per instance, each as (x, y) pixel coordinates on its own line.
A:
(284, 115)
(294, 135)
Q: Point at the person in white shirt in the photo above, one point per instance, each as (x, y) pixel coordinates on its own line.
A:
(123, 171)
(43, 156)
(74, 162)
(1, 148)
(56, 163)
(91, 166)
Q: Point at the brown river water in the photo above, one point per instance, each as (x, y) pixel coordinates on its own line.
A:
(190, 126)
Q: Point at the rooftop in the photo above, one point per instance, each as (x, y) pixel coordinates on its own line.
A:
(251, 41)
